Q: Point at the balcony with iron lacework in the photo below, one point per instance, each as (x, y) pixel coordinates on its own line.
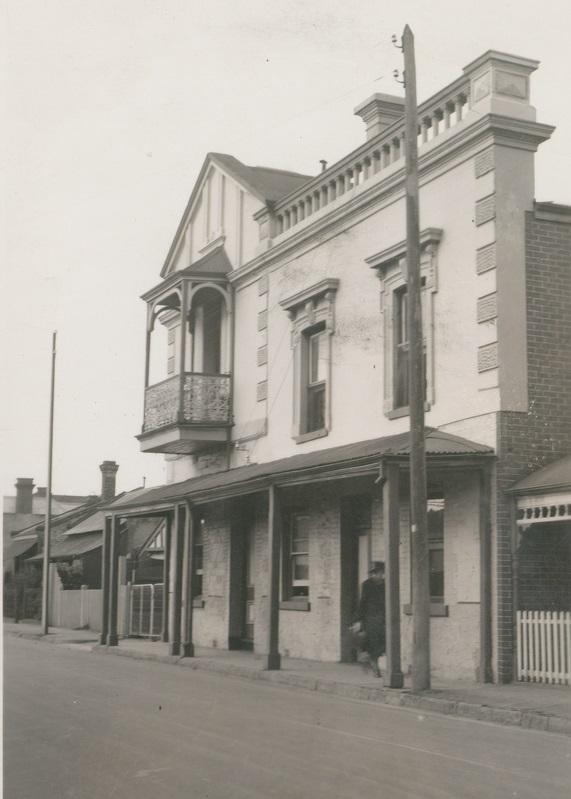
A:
(190, 408)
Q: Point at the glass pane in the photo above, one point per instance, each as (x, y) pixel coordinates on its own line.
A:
(300, 568)
(401, 376)
(436, 573)
(317, 358)
(435, 519)
(315, 408)
(300, 534)
(299, 546)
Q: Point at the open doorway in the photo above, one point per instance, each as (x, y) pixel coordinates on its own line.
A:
(355, 560)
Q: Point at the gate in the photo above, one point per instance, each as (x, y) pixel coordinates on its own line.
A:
(544, 646)
(146, 610)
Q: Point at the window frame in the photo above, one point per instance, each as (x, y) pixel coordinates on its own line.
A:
(311, 311)
(436, 544)
(291, 588)
(401, 344)
(438, 606)
(311, 387)
(391, 268)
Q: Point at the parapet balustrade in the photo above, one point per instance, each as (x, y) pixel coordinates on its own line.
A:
(436, 116)
(205, 399)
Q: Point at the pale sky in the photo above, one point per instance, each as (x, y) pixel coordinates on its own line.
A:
(111, 107)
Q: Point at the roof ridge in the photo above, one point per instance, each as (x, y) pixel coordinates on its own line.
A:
(282, 171)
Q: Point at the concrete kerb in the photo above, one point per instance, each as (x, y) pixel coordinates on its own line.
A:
(528, 719)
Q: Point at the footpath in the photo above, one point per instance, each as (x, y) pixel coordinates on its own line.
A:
(528, 705)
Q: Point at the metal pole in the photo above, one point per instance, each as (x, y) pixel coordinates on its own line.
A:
(416, 383)
(47, 526)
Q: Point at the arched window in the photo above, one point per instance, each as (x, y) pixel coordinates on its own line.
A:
(207, 325)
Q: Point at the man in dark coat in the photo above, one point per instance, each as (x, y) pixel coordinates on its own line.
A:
(372, 614)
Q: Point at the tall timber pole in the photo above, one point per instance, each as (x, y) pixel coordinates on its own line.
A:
(48, 521)
(416, 384)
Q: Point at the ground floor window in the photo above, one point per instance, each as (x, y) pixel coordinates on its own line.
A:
(435, 520)
(296, 557)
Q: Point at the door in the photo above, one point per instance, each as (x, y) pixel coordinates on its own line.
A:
(249, 592)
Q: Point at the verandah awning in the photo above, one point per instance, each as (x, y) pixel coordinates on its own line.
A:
(545, 495)
(348, 460)
(72, 547)
(17, 548)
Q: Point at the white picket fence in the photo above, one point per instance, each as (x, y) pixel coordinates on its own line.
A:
(544, 646)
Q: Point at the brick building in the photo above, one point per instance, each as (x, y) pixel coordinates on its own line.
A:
(276, 385)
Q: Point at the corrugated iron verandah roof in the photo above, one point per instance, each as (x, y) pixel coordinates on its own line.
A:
(17, 548)
(350, 459)
(72, 547)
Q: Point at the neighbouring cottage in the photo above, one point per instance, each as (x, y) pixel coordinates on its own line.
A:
(276, 387)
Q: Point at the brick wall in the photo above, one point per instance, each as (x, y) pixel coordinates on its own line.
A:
(529, 441)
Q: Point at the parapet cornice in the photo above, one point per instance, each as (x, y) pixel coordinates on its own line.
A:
(488, 128)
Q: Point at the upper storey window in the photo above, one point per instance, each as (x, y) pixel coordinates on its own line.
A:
(317, 355)
(401, 349)
(313, 322)
(392, 271)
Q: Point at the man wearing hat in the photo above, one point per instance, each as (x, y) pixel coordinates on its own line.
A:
(372, 614)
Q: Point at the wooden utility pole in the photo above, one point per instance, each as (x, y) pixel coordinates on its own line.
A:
(416, 384)
(48, 521)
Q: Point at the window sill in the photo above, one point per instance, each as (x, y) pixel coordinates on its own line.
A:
(436, 609)
(198, 602)
(301, 439)
(398, 413)
(295, 604)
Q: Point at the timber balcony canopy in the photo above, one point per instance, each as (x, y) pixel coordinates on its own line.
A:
(443, 450)
(192, 406)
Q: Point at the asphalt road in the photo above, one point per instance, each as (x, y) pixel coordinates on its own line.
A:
(80, 725)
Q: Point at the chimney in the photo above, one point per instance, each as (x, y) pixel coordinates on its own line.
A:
(108, 472)
(380, 111)
(24, 491)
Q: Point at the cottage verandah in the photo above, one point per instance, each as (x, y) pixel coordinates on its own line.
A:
(262, 590)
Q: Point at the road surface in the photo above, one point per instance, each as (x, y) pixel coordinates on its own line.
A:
(80, 725)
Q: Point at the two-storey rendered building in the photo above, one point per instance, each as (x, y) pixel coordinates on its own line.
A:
(276, 386)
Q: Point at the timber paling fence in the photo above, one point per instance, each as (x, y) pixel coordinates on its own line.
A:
(544, 646)
(146, 610)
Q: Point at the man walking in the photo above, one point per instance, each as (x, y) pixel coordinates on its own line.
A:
(372, 614)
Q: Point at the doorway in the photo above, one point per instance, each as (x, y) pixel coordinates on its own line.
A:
(249, 592)
(355, 560)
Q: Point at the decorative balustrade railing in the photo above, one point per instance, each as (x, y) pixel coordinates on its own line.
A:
(441, 112)
(205, 400)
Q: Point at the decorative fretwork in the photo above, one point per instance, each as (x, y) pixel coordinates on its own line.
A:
(206, 400)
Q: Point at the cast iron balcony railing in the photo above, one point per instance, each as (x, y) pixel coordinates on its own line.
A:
(205, 401)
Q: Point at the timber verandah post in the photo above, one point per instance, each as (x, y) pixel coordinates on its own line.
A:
(112, 636)
(187, 644)
(272, 658)
(105, 583)
(175, 581)
(166, 578)
(391, 528)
